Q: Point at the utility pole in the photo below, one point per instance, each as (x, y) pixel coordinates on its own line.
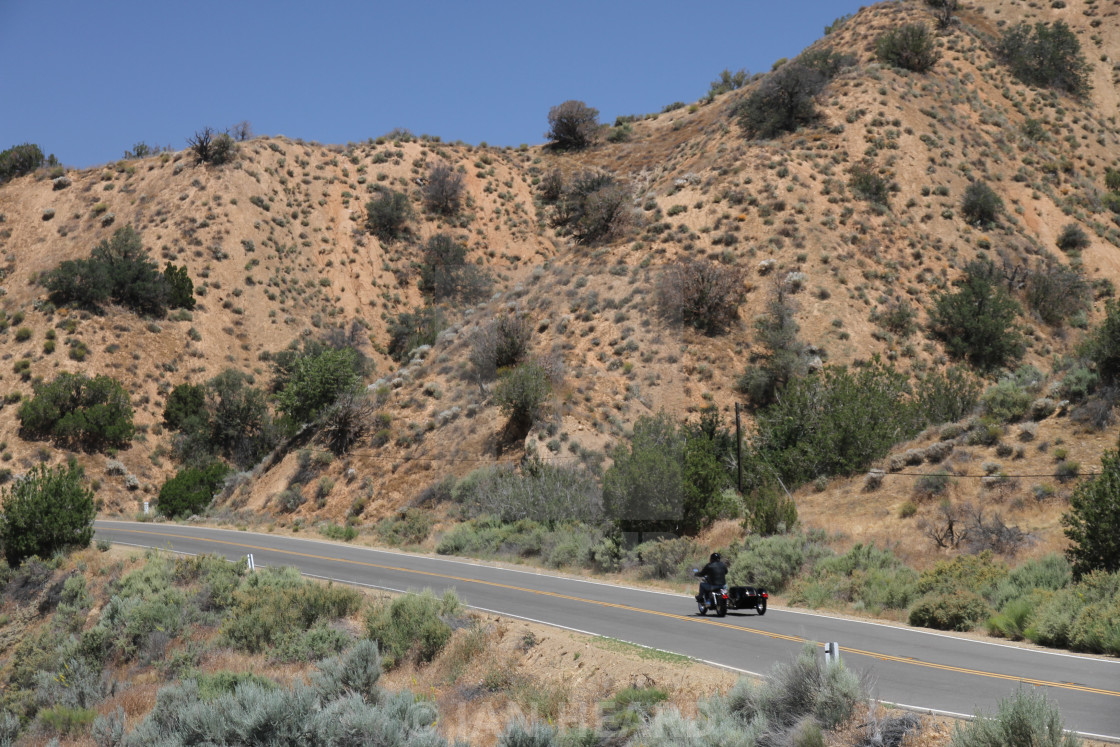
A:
(739, 447)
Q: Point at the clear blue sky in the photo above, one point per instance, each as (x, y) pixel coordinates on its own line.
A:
(87, 80)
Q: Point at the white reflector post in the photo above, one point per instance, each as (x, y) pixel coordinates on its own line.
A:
(145, 508)
(252, 566)
(832, 652)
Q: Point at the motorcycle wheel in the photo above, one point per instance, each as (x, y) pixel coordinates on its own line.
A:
(761, 607)
(721, 608)
(703, 610)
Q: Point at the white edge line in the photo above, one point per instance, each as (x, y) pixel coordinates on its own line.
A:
(716, 664)
(441, 559)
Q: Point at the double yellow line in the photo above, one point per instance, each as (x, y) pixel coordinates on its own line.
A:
(671, 615)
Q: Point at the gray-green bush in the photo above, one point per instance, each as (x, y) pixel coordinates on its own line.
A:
(1026, 719)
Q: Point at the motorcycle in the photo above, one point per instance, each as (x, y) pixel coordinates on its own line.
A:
(733, 598)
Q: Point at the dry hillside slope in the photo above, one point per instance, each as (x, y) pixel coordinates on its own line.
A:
(276, 245)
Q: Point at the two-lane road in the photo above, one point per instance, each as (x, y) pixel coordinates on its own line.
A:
(909, 666)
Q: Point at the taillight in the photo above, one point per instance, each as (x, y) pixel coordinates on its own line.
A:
(765, 595)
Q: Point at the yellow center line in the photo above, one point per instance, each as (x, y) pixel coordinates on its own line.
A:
(628, 608)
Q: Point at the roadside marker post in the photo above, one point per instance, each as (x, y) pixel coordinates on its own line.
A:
(832, 653)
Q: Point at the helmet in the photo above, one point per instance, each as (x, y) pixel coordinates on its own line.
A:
(715, 556)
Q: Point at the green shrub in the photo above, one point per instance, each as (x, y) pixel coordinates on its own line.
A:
(978, 573)
(774, 562)
(572, 125)
(274, 608)
(521, 392)
(387, 215)
(958, 610)
(413, 624)
(66, 721)
(1026, 718)
(946, 396)
(865, 182)
(865, 578)
(540, 492)
(701, 294)
(1006, 402)
(304, 714)
(977, 321)
(78, 412)
(410, 527)
(1049, 573)
(20, 160)
(666, 558)
(214, 684)
(728, 81)
(1072, 238)
(807, 688)
(1047, 55)
(910, 47)
(191, 490)
(46, 512)
(980, 205)
(344, 533)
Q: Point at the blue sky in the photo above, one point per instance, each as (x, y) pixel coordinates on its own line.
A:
(87, 80)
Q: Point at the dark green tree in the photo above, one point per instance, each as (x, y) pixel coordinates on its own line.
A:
(81, 282)
(191, 490)
(48, 511)
(977, 322)
(387, 215)
(1046, 55)
(781, 357)
(1092, 523)
(572, 125)
(643, 490)
(835, 422)
(981, 205)
(180, 288)
(119, 270)
(19, 160)
(1102, 346)
(446, 274)
(185, 409)
(316, 382)
(785, 99)
(240, 425)
(76, 411)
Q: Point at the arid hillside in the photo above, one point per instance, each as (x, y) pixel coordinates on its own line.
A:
(856, 219)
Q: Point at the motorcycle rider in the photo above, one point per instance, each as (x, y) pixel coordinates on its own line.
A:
(713, 576)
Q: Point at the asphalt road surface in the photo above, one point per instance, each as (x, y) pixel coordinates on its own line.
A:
(908, 667)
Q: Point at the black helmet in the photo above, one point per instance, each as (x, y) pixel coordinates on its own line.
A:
(715, 556)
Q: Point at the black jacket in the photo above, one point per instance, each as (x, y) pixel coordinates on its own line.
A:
(714, 573)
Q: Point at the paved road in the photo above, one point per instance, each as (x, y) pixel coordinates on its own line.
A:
(907, 666)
